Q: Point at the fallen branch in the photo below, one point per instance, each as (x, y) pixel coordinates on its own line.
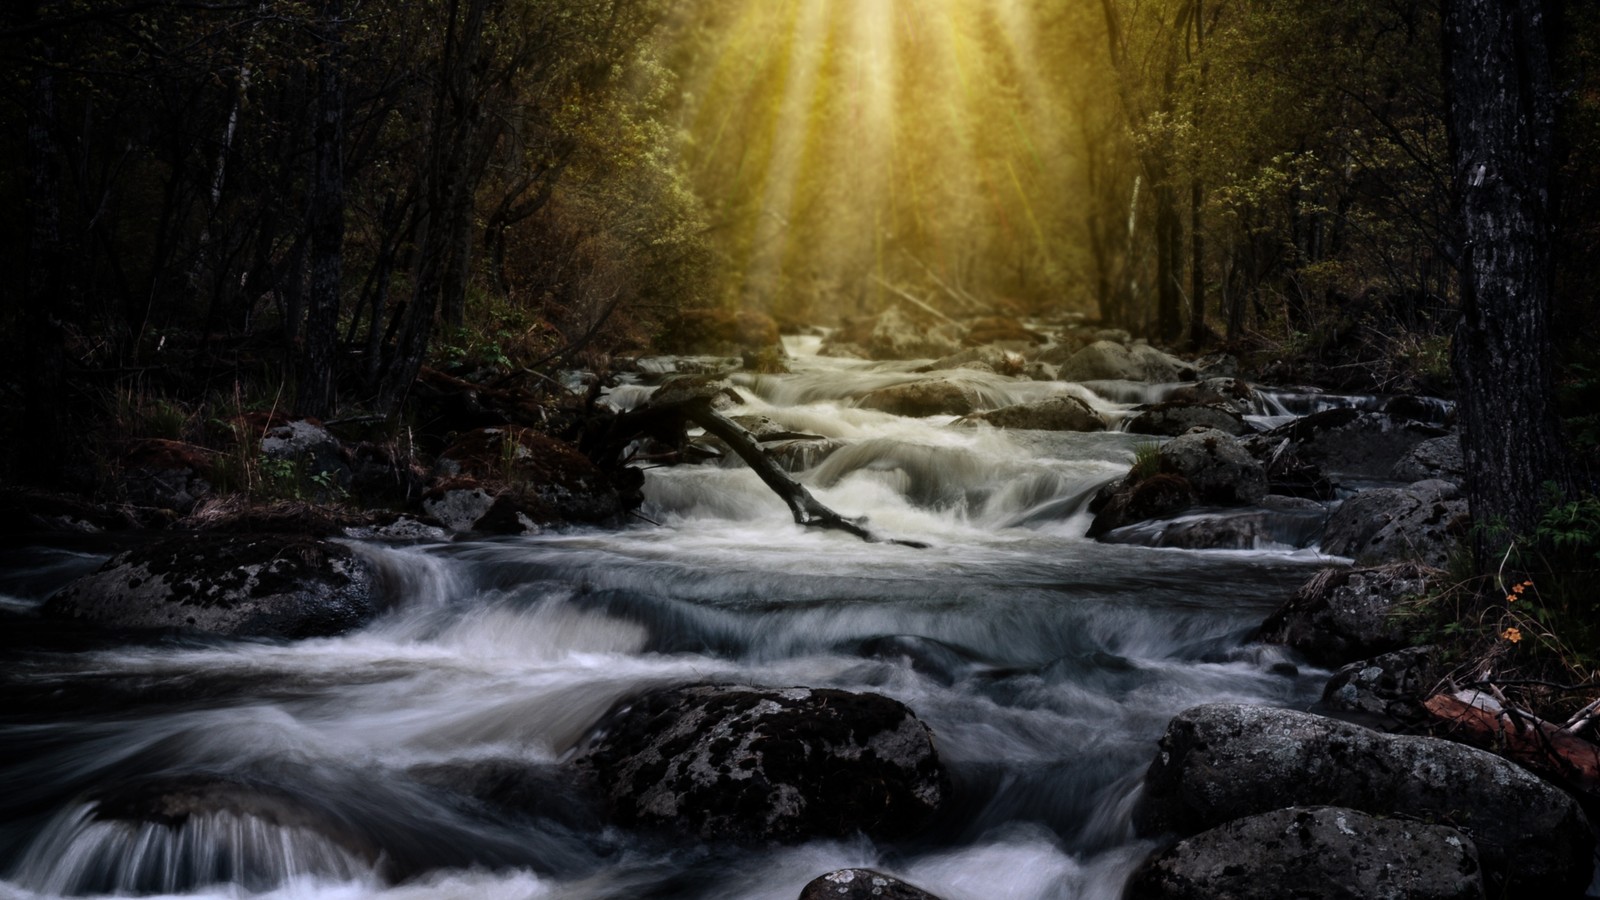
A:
(1542, 746)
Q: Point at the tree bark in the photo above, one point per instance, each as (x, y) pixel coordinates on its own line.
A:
(316, 391)
(44, 345)
(1501, 125)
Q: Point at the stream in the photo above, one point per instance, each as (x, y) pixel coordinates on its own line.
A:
(1045, 664)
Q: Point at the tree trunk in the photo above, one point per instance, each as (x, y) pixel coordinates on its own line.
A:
(44, 345)
(1197, 269)
(1501, 123)
(1169, 266)
(316, 393)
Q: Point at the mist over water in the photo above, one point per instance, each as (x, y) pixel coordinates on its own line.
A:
(1045, 664)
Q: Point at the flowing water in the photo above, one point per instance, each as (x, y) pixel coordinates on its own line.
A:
(1045, 664)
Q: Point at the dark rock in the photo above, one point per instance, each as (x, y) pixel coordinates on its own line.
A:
(1218, 468)
(533, 791)
(1221, 762)
(1124, 503)
(1234, 393)
(690, 388)
(278, 586)
(861, 884)
(167, 474)
(511, 480)
(1217, 365)
(312, 449)
(1287, 473)
(1354, 444)
(235, 514)
(1386, 691)
(1064, 413)
(1228, 530)
(1345, 614)
(1314, 853)
(724, 762)
(1424, 522)
(1436, 458)
(934, 397)
(30, 513)
(1108, 361)
(1170, 419)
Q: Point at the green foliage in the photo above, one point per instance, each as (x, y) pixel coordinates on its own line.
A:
(1146, 462)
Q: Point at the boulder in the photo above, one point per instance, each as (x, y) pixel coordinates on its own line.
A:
(1386, 691)
(276, 586)
(1234, 393)
(1170, 419)
(933, 397)
(1283, 526)
(314, 452)
(1437, 458)
(1346, 614)
(1001, 329)
(1287, 473)
(1424, 522)
(1218, 468)
(1314, 853)
(861, 884)
(1222, 762)
(995, 359)
(1108, 361)
(727, 762)
(1063, 413)
(1128, 501)
(1354, 444)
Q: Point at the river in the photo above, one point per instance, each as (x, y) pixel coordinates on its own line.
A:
(1045, 664)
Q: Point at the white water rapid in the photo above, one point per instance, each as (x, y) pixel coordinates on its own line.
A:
(1045, 664)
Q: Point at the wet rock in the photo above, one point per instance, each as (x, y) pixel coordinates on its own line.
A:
(934, 397)
(276, 586)
(725, 762)
(167, 474)
(1125, 502)
(692, 388)
(1234, 393)
(1345, 614)
(1354, 444)
(861, 884)
(1040, 371)
(1217, 365)
(236, 514)
(1004, 362)
(1247, 530)
(1218, 468)
(1386, 691)
(1108, 361)
(1424, 522)
(1434, 459)
(30, 513)
(1172, 418)
(1221, 762)
(516, 786)
(1314, 853)
(1064, 413)
(513, 480)
(1287, 473)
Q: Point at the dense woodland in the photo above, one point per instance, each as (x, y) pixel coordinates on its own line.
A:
(221, 207)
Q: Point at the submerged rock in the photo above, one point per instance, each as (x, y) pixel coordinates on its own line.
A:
(1345, 614)
(1314, 853)
(861, 884)
(1064, 413)
(725, 762)
(1222, 762)
(278, 586)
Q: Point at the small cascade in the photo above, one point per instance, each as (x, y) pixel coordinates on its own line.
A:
(79, 853)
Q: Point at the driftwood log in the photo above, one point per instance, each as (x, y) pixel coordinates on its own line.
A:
(1544, 747)
(690, 399)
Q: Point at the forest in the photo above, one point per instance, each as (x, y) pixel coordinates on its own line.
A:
(963, 449)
